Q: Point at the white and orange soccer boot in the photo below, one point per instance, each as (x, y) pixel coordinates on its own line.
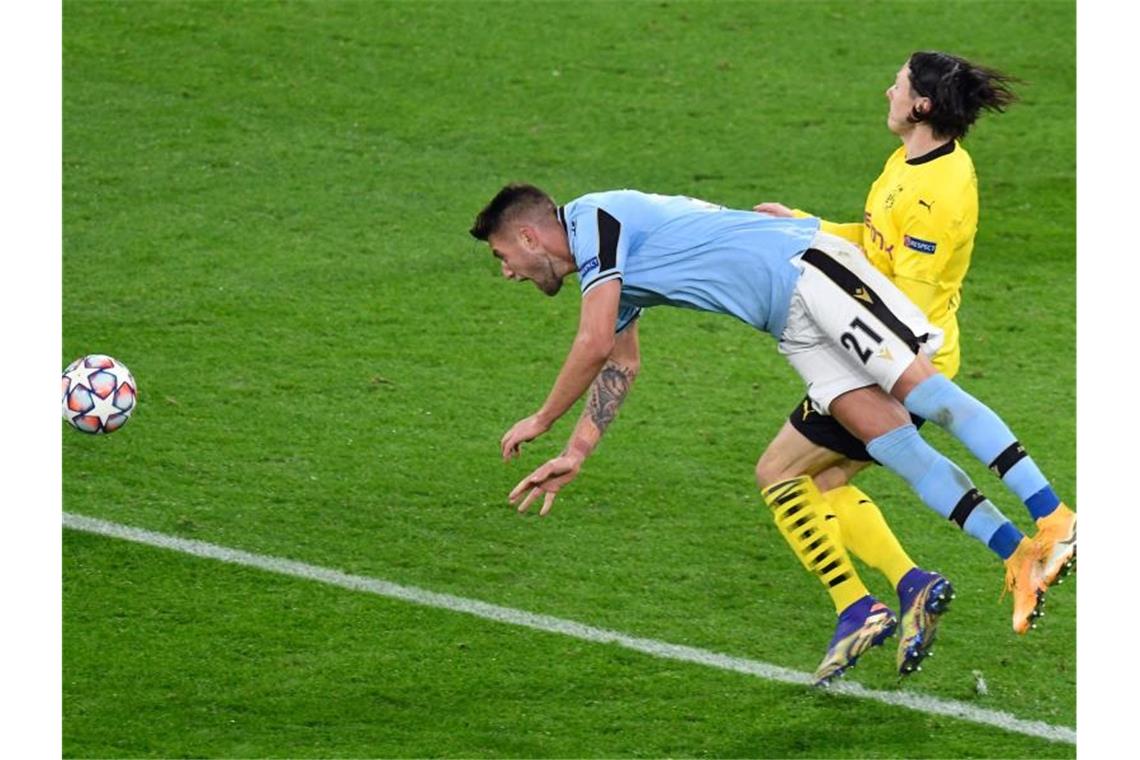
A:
(1025, 579)
(1057, 537)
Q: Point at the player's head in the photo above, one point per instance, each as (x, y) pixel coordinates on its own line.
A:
(946, 93)
(521, 226)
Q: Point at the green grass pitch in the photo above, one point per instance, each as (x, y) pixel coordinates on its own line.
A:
(265, 215)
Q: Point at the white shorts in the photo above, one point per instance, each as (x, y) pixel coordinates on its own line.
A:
(848, 325)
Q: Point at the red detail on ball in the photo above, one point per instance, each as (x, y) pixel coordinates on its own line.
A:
(87, 423)
(124, 397)
(102, 383)
(98, 360)
(79, 400)
(114, 422)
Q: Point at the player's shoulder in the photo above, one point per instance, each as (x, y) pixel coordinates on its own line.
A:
(959, 161)
(605, 198)
(948, 160)
(949, 173)
(590, 204)
(623, 207)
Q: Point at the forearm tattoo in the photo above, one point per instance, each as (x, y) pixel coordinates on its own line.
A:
(606, 394)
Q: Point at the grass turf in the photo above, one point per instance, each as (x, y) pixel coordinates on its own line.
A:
(265, 214)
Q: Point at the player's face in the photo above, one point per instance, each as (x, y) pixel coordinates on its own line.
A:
(902, 99)
(523, 258)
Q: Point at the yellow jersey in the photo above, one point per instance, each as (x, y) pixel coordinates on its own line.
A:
(918, 229)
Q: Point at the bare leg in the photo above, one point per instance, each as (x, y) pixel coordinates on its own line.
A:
(840, 474)
(790, 455)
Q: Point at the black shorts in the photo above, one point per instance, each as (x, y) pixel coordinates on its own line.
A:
(824, 430)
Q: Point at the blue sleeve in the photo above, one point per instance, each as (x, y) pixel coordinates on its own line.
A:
(598, 245)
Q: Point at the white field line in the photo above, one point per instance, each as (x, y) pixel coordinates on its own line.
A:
(905, 699)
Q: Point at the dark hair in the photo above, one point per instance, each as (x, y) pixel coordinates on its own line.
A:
(509, 203)
(958, 90)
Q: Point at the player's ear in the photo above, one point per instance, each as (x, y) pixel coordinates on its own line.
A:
(922, 106)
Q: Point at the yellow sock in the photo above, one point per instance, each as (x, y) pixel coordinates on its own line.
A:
(798, 509)
(866, 533)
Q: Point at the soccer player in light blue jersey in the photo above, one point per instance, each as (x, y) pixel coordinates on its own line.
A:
(860, 345)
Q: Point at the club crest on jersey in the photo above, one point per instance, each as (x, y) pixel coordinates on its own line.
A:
(588, 267)
(889, 203)
(918, 244)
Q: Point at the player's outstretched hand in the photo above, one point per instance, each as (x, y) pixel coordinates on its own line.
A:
(547, 479)
(773, 209)
(524, 430)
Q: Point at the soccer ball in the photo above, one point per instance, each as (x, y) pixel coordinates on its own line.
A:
(99, 394)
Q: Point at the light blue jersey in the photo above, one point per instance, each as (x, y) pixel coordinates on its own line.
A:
(686, 252)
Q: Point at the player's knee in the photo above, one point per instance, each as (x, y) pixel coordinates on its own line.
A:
(839, 474)
(771, 468)
(831, 478)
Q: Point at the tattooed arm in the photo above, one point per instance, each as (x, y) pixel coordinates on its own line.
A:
(605, 396)
(592, 346)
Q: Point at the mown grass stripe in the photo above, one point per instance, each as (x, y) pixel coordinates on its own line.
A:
(908, 700)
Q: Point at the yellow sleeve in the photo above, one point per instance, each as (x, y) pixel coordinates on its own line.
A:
(852, 231)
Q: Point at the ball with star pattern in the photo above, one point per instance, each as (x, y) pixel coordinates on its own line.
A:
(99, 394)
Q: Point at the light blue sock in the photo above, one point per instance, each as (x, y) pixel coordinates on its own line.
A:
(945, 488)
(941, 401)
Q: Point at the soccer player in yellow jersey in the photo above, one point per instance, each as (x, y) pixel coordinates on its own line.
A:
(918, 229)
